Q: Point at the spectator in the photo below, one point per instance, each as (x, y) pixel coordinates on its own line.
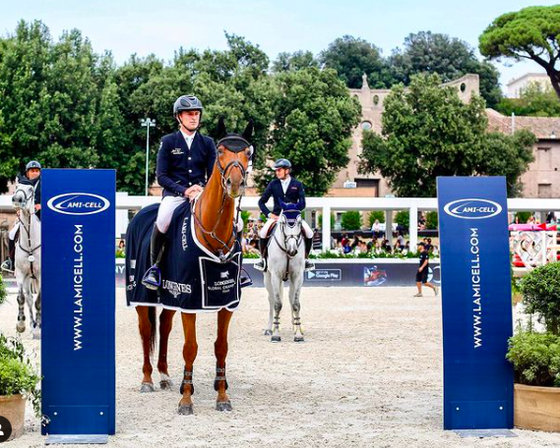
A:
(376, 229)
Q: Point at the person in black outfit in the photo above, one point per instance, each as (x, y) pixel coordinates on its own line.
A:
(288, 190)
(32, 176)
(422, 274)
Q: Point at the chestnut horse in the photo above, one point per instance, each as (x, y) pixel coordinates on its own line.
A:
(215, 215)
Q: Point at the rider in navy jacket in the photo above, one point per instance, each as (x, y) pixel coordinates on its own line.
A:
(184, 164)
(295, 194)
(178, 168)
(290, 191)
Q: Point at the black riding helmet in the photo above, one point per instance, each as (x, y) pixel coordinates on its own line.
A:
(187, 102)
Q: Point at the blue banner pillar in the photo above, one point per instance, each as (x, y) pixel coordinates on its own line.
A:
(78, 301)
(476, 302)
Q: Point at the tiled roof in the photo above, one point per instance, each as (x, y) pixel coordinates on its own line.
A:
(544, 128)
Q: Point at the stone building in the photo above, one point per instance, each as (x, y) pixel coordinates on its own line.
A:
(516, 86)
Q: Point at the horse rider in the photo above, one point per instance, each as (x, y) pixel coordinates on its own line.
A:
(32, 176)
(184, 164)
(288, 190)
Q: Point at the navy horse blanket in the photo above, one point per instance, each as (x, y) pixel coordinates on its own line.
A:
(193, 279)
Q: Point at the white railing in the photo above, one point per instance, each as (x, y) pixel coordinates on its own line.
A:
(326, 205)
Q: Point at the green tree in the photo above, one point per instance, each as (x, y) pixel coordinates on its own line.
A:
(402, 218)
(450, 58)
(534, 101)
(431, 220)
(294, 61)
(312, 126)
(351, 220)
(531, 33)
(351, 57)
(428, 132)
(51, 92)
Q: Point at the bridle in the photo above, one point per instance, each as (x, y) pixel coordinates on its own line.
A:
(27, 227)
(236, 144)
(290, 223)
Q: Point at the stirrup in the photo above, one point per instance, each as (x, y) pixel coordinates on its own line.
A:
(260, 265)
(152, 278)
(245, 279)
(7, 266)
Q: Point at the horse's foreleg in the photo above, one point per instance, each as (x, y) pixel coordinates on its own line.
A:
(165, 324)
(295, 290)
(221, 350)
(29, 299)
(146, 327)
(37, 329)
(277, 297)
(190, 350)
(268, 285)
(20, 327)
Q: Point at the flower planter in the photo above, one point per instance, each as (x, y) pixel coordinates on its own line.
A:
(537, 408)
(13, 408)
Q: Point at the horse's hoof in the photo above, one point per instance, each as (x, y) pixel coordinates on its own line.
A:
(166, 384)
(275, 339)
(224, 406)
(147, 387)
(268, 332)
(20, 327)
(185, 409)
(298, 339)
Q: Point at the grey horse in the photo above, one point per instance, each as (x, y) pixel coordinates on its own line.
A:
(286, 261)
(28, 259)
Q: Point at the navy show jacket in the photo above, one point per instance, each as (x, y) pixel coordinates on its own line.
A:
(295, 194)
(179, 167)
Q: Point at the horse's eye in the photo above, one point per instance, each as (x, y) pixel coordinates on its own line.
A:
(249, 151)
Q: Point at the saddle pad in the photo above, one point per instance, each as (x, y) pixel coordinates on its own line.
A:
(193, 279)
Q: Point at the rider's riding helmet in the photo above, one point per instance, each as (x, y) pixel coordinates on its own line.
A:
(32, 164)
(187, 102)
(282, 163)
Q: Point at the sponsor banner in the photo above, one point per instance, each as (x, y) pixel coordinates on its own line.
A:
(476, 302)
(78, 301)
(321, 275)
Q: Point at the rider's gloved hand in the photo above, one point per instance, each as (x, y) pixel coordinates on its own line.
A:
(192, 192)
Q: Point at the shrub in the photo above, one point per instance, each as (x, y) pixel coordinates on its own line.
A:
(523, 216)
(320, 221)
(431, 220)
(351, 220)
(17, 374)
(535, 358)
(541, 294)
(376, 214)
(403, 218)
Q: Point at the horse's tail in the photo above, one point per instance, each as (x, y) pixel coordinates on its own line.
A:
(153, 327)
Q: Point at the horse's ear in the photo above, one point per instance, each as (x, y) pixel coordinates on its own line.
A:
(221, 128)
(248, 132)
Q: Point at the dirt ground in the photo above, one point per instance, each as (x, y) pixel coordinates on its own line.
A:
(369, 374)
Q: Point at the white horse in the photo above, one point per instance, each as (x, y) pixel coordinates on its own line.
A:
(286, 260)
(28, 258)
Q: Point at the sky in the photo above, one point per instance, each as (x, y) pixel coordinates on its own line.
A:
(163, 26)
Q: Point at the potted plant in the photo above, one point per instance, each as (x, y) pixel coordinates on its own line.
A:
(18, 382)
(536, 355)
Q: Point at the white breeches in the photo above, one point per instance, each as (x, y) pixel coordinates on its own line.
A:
(307, 232)
(166, 209)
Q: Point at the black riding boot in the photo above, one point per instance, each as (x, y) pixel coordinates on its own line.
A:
(308, 245)
(263, 246)
(152, 277)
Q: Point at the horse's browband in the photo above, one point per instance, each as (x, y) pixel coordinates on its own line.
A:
(234, 143)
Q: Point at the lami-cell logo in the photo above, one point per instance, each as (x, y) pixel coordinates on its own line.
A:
(78, 203)
(472, 208)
